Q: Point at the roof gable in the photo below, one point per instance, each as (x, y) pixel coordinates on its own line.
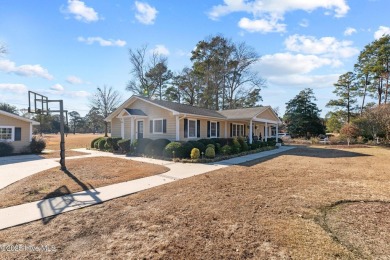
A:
(2, 112)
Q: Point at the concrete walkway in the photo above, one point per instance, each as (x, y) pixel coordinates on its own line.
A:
(20, 214)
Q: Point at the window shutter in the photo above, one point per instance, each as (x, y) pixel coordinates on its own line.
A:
(244, 130)
(198, 128)
(231, 130)
(218, 129)
(185, 128)
(18, 134)
(208, 128)
(151, 126)
(164, 125)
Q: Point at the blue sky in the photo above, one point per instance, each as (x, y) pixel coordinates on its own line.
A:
(65, 49)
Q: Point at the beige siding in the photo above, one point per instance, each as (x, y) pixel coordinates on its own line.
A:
(203, 128)
(19, 146)
(116, 127)
(267, 115)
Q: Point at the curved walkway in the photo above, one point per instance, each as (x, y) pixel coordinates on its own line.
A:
(43, 209)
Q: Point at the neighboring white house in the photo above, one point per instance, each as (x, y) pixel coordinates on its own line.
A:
(140, 117)
(16, 129)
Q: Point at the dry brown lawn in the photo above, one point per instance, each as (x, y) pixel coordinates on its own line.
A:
(309, 203)
(56, 154)
(81, 174)
(71, 141)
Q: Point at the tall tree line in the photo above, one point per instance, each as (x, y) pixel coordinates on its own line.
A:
(221, 76)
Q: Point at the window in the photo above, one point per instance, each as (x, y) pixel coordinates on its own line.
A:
(7, 133)
(158, 126)
(237, 130)
(213, 129)
(192, 128)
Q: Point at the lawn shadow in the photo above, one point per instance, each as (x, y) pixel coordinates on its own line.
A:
(304, 151)
(61, 199)
(19, 159)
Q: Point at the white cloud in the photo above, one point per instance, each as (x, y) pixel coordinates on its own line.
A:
(74, 80)
(78, 94)
(161, 50)
(328, 46)
(57, 87)
(288, 64)
(261, 25)
(270, 12)
(311, 81)
(15, 88)
(349, 31)
(25, 70)
(146, 14)
(81, 12)
(101, 41)
(382, 30)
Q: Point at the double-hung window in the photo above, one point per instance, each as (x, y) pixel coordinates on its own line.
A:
(237, 130)
(158, 126)
(7, 133)
(192, 128)
(213, 129)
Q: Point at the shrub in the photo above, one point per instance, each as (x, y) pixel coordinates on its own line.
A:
(6, 149)
(195, 153)
(236, 147)
(156, 147)
(107, 146)
(210, 152)
(210, 145)
(170, 148)
(37, 144)
(112, 142)
(217, 148)
(198, 145)
(124, 145)
(185, 150)
(94, 140)
(243, 144)
(207, 141)
(226, 150)
(256, 145)
(101, 144)
(141, 145)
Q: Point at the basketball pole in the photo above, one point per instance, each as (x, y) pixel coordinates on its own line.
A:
(62, 131)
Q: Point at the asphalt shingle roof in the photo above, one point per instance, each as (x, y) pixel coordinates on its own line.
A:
(186, 109)
(243, 113)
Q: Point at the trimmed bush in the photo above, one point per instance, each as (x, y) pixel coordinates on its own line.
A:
(210, 152)
(112, 142)
(93, 142)
(37, 144)
(101, 144)
(255, 145)
(195, 153)
(226, 150)
(210, 145)
(6, 149)
(198, 145)
(156, 147)
(243, 144)
(107, 146)
(141, 145)
(222, 141)
(124, 145)
(217, 148)
(185, 151)
(170, 148)
(236, 147)
(207, 141)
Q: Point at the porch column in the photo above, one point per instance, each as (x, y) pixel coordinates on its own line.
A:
(277, 130)
(266, 132)
(132, 129)
(177, 128)
(123, 128)
(30, 132)
(250, 131)
(226, 124)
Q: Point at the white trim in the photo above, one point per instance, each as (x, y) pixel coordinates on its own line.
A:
(122, 128)
(30, 135)
(12, 133)
(266, 132)
(177, 128)
(226, 126)
(250, 132)
(196, 128)
(162, 125)
(132, 129)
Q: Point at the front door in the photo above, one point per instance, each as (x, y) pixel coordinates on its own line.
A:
(140, 129)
